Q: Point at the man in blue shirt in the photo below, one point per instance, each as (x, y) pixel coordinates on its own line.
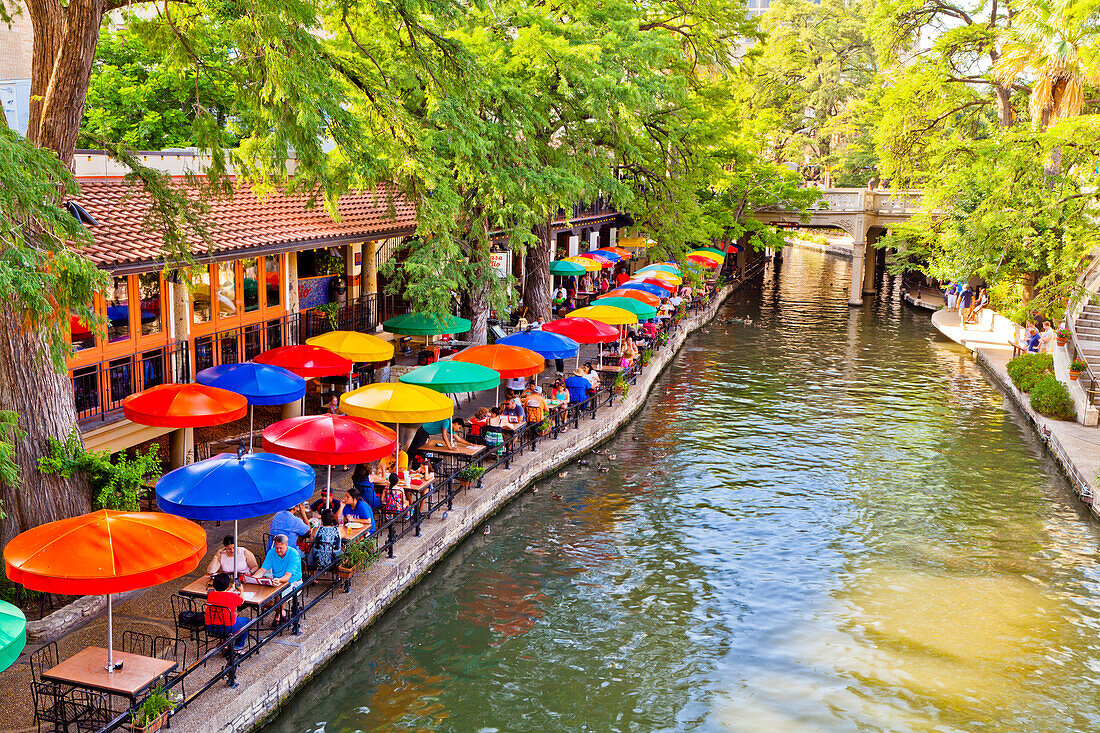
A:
(284, 565)
(578, 386)
(293, 523)
(352, 507)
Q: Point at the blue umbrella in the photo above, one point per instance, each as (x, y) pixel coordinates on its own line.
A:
(607, 255)
(545, 343)
(645, 288)
(240, 486)
(261, 384)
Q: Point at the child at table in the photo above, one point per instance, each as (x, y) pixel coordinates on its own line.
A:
(220, 615)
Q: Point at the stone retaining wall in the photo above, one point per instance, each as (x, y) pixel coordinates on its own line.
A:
(267, 681)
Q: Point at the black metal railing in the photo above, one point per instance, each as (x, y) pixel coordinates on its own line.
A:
(438, 500)
(357, 314)
(99, 389)
(239, 344)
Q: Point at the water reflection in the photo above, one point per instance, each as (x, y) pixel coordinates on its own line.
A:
(825, 521)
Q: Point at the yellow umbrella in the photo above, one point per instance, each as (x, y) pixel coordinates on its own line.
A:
(398, 403)
(668, 277)
(354, 345)
(608, 314)
(709, 255)
(635, 243)
(586, 262)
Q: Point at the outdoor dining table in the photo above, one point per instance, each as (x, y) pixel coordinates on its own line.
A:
(255, 596)
(87, 669)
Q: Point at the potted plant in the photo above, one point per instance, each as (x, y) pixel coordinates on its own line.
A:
(1061, 336)
(355, 556)
(620, 387)
(153, 713)
(468, 475)
(646, 357)
(1075, 368)
(330, 311)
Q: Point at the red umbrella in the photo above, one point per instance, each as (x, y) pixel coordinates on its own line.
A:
(605, 262)
(704, 261)
(105, 552)
(583, 330)
(329, 440)
(184, 406)
(640, 295)
(306, 361)
(654, 281)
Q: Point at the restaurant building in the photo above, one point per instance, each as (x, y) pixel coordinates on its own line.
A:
(269, 263)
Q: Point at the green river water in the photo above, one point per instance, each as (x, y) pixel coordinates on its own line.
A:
(825, 521)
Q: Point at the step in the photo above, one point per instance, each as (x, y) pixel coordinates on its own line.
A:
(1087, 333)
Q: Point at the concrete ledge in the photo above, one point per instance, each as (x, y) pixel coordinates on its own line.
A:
(267, 681)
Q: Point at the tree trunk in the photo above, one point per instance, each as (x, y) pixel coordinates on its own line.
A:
(1005, 118)
(44, 401)
(1029, 286)
(475, 296)
(536, 285)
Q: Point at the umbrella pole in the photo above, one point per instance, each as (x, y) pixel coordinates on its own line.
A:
(236, 552)
(328, 486)
(251, 429)
(397, 450)
(110, 636)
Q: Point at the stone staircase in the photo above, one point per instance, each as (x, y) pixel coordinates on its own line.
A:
(1087, 328)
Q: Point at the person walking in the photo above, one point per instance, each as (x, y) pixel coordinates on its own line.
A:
(966, 304)
(952, 296)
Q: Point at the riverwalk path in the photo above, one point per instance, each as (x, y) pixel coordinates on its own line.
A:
(1075, 446)
(267, 678)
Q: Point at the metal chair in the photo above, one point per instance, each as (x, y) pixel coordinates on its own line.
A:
(63, 706)
(165, 647)
(136, 642)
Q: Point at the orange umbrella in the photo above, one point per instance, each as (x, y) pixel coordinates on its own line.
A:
(626, 255)
(105, 552)
(647, 298)
(508, 361)
(184, 406)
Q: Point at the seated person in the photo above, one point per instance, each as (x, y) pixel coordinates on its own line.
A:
(444, 429)
(494, 429)
(665, 310)
(325, 502)
(353, 508)
(478, 423)
(363, 480)
(558, 391)
(535, 406)
(292, 523)
(649, 329)
(224, 559)
(328, 545)
(512, 412)
(578, 386)
(283, 565)
(394, 500)
(221, 616)
(592, 375)
(387, 466)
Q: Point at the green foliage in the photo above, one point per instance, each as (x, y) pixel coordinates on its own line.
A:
(16, 594)
(469, 474)
(1027, 369)
(360, 553)
(1051, 398)
(330, 311)
(117, 485)
(1078, 365)
(10, 434)
(620, 387)
(1063, 333)
(156, 704)
(646, 357)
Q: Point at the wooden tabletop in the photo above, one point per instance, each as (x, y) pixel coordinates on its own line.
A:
(467, 451)
(86, 670)
(350, 535)
(253, 595)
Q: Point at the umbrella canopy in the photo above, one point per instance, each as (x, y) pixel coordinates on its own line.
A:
(306, 361)
(13, 634)
(329, 440)
(565, 268)
(589, 265)
(666, 286)
(452, 376)
(703, 260)
(734, 247)
(598, 259)
(397, 402)
(644, 287)
(583, 330)
(668, 277)
(619, 251)
(260, 384)
(707, 253)
(105, 552)
(714, 250)
(606, 254)
(354, 345)
(643, 311)
(658, 268)
(508, 361)
(639, 295)
(426, 324)
(546, 344)
(227, 487)
(608, 314)
(184, 406)
(633, 243)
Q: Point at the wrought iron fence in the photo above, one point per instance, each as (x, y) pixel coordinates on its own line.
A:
(99, 389)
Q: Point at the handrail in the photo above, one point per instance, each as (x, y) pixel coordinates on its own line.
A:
(440, 497)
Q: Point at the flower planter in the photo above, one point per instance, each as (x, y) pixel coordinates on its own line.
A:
(345, 573)
(155, 724)
(1060, 340)
(1073, 375)
(464, 484)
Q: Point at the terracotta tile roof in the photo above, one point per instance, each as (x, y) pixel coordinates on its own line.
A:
(247, 221)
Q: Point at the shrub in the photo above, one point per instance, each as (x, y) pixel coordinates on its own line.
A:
(1051, 398)
(117, 485)
(1062, 333)
(1078, 365)
(1027, 369)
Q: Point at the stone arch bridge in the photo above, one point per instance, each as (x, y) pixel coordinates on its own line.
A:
(863, 214)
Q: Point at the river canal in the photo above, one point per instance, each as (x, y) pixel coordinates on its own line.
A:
(825, 521)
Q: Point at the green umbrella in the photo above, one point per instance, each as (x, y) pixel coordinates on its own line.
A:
(672, 270)
(561, 267)
(426, 324)
(450, 377)
(13, 634)
(637, 307)
(715, 250)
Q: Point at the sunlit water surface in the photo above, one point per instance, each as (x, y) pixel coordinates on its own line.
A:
(825, 521)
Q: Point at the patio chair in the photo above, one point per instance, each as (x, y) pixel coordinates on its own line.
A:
(63, 706)
(165, 647)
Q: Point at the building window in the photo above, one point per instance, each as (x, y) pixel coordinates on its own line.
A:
(80, 335)
(227, 289)
(250, 272)
(149, 291)
(200, 295)
(273, 277)
(118, 310)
